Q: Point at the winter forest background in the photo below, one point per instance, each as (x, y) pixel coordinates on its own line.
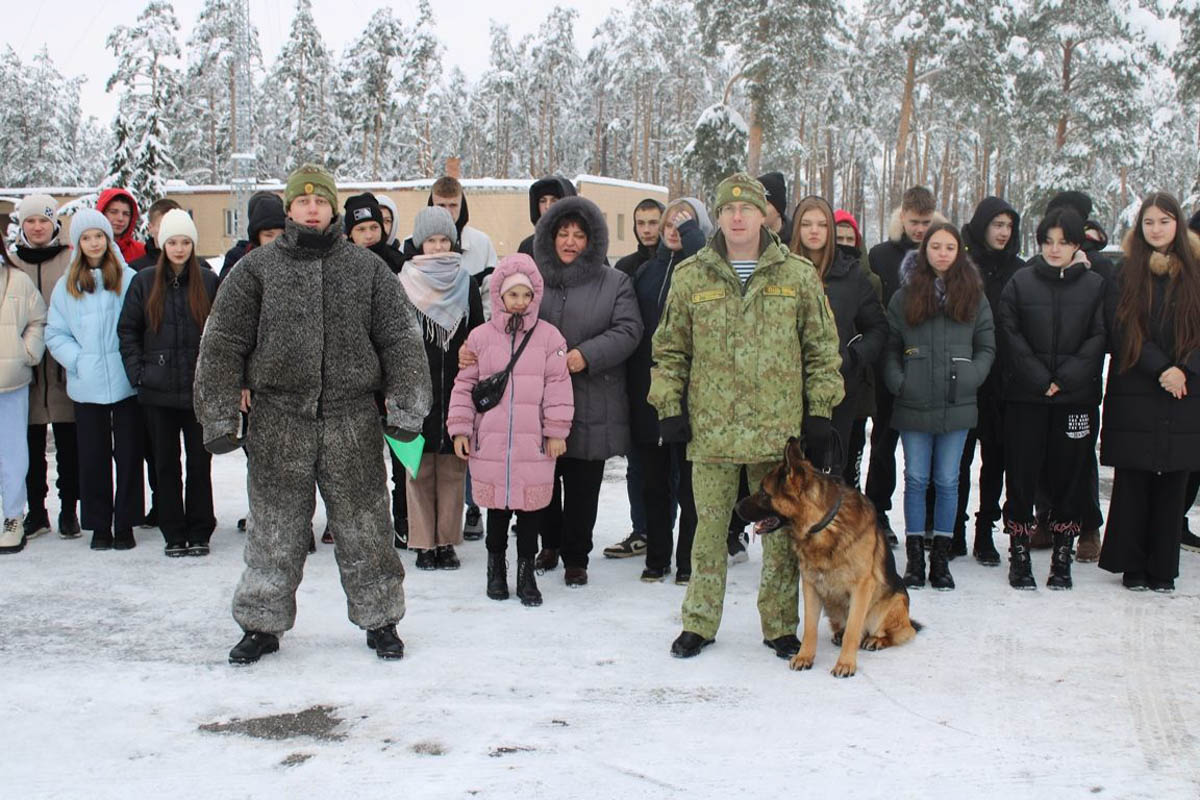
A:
(850, 99)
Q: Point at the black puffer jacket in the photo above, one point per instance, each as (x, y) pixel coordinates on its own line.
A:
(1143, 426)
(1051, 330)
(861, 322)
(443, 369)
(161, 364)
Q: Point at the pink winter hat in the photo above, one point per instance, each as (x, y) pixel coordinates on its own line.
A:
(516, 279)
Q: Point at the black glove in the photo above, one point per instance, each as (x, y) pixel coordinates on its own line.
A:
(674, 430)
(818, 432)
(223, 444)
(402, 436)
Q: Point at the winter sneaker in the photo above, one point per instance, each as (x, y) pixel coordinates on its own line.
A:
(527, 588)
(497, 576)
(427, 559)
(386, 644)
(1162, 585)
(575, 576)
(737, 548)
(688, 644)
(1020, 567)
(327, 536)
(655, 574)
(400, 527)
(683, 577)
(632, 545)
(546, 560)
(473, 524)
(446, 558)
(36, 524)
(939, 564)
(68, 525)
(784, 646)
(1189, 541)
(253, 646)
(123, 540)
(1060, 562)
(198, 549)
(151, 518)
(12, 537)
(1087, 548)
(175, 550)
(914, 570)
(102, 540)
(984, 549)
(1135, 581)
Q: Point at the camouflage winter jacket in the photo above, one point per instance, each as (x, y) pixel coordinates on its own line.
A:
(751, 363)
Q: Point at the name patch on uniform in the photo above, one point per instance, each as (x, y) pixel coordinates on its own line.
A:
(779, 291)
(704, 297)
(911, 351)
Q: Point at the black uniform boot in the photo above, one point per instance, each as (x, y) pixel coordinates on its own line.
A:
(1020, 568)
(914, 570)
(497, 576)
(527, 588)
(939, 564)
(1060, 561)
(985, 549)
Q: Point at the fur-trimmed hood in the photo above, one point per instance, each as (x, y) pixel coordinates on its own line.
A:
(589, 262)
(895, 228)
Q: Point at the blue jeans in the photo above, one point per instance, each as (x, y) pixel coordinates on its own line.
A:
(939, 454)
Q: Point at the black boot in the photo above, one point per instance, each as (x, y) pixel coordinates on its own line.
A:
(914, 570)
(1020, 569)
(985, 549)
(939, 564)
(497, 576)
(527, 588)
(1060, 560)
(386, 644)
(253, 646)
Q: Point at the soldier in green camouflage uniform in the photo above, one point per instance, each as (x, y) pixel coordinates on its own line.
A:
(757, 362)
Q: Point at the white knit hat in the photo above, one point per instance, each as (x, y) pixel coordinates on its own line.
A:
(37, 205)
(176, 222)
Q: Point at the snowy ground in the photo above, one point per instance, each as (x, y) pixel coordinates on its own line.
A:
(111, 663)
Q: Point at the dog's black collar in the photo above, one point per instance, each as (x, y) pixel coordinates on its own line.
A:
(824, 522)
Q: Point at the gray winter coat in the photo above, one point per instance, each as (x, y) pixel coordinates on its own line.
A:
(313, 326)
(596, 309)
(936, 368)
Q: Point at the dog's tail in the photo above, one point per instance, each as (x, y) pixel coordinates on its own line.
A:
(918, 627)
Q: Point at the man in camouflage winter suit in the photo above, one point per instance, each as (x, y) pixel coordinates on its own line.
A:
(314, 327)
(748, 339)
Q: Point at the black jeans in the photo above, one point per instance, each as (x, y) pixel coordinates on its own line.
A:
(660, 494)
(881, 471)
(108, 434)
(1143, 523)
(66, 457)
(527, 531)
(185, 515)
(568, 521)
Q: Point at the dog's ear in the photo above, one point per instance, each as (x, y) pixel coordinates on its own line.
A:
(793, 455)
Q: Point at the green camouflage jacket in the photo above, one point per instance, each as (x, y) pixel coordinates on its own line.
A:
(750, 364)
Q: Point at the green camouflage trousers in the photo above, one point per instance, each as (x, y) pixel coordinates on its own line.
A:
(715, 487)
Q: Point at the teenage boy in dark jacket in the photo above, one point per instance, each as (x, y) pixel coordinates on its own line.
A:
(543, 194)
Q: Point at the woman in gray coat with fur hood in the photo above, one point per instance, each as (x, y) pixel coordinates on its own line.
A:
(596, 309)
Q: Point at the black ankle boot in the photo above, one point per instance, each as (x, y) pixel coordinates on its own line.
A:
(1020, 569)
(939, 564)
(914, 570)
(527, 588)
(1060, 561)
(985, 549)
(497, 576)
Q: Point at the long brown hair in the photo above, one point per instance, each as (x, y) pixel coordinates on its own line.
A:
(1133, 306)
(198, 301)
(822, 259)
(964, 287)
(79, 275)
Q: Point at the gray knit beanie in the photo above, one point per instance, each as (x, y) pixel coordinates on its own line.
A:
(431, 221)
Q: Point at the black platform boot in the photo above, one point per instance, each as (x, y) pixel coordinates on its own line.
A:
(1020, 568)
(939, 564)
(1060, 557)
(914, 570)
(527, 588)
(497, 576)
(985, 549)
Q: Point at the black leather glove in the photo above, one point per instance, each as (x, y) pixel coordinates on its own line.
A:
(818, 433)
(674, 430)
(402, 436)
(223, 444)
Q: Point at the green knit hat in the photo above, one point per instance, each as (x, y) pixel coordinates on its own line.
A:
(741, 188)
(310, 179)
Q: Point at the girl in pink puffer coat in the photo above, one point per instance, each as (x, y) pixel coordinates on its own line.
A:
(512, 447)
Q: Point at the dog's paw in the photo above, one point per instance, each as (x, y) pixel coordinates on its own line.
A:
(844, 669)
(837, 638)
(873, 643)
(801, 661)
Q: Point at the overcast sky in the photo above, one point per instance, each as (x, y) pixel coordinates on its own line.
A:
(75, 30)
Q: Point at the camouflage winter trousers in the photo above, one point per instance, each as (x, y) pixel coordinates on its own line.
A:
(288, 459)
(716, 487)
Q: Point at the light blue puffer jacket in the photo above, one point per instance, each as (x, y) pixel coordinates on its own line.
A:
(81, 334)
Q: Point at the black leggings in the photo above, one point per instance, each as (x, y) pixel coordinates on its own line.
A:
(527, 531)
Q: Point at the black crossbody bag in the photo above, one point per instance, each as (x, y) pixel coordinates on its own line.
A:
(488, 393)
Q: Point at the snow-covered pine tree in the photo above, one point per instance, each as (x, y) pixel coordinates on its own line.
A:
(718, 148)
(120, 167)
(1185, 62)
(419, 77)
(366, 95)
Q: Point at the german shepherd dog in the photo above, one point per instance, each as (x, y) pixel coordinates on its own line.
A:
(846, 566)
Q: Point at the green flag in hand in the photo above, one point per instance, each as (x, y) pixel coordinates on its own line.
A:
(408, 453)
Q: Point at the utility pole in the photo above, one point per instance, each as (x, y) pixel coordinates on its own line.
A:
(245, 161)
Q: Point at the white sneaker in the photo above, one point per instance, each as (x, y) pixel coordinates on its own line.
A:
(12, 539)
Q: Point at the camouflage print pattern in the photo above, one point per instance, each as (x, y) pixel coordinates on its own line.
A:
(751, 364)
(715, 486)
